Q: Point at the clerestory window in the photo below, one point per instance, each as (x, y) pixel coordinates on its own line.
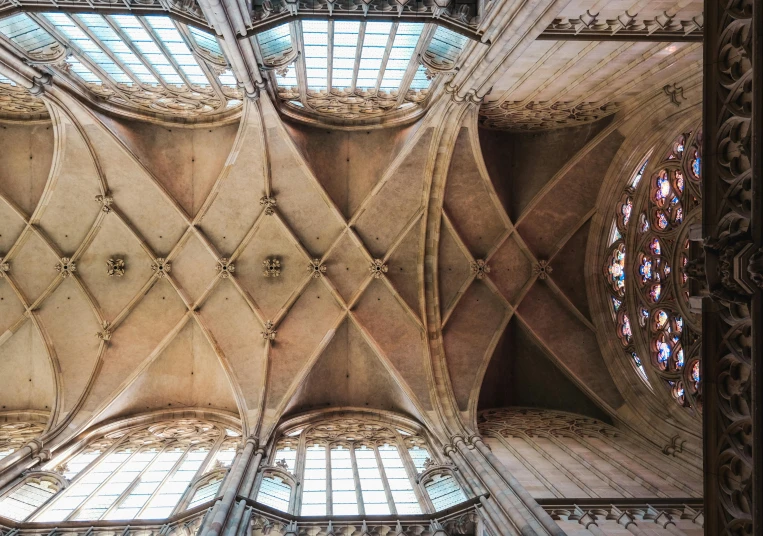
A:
(142, 473)
(351, 467)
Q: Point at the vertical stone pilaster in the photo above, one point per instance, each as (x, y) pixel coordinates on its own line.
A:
(732, 334)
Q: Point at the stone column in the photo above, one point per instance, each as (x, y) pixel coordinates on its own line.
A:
(27, 456)
(537, 510)
(732, 335)
(496, 520)
(215, 523)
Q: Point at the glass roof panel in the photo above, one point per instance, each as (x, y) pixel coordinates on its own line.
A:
(343, 56)
(83, 72)
(406, 38)
(169, 36)
(274, 42)
(447, 45)
(315, 36)
(99, 27)
(143, 42)
(374, 44)
(420, 79)
(205, 40)
(78, 38)
(26, 33)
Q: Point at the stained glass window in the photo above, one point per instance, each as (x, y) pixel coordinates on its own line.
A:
(666, 196)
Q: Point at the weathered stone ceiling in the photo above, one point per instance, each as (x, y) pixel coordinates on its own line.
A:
(561, 83)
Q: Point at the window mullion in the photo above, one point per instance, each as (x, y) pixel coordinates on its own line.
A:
(300, 68)
(330, 56)
(204, 467)
(329, 477)
(126, 493)
(387, 51)
(356, 477)
(93, 493)
(299, 469)
(385, 482)
(413, 65)
(169, 475)
(410, 468)
(358, 53)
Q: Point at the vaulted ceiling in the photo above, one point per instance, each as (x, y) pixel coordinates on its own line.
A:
(412, 259)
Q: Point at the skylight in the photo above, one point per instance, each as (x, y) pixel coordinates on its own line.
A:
(122, 51)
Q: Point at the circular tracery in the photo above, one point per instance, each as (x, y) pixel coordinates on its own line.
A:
(649, 288)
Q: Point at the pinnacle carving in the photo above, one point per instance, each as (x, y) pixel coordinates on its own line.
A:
(106, 201)
(161, 267)
(272, 267)
(269, 202)
(542, 269)
(105, 333)
(61, 468)
(225, 267)
(316, 268)
(115, 267)
(674, 92)
(378, 268)
(282, 464)
(429, 463)
(270, 332)
(66, 267)
(480, 268)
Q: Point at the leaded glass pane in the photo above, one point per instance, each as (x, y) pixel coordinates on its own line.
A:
(205, 493)
(26, 33)
(25, 500)
(315, 38)
(344, 50)
(406, 38)
(314, 492)
(399, 483)
(419, 457)
(274, 492)
(444, 492)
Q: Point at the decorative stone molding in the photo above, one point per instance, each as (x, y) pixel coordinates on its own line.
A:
(521, 116)
(66, 267)
(479, 268)
(225, 268)
(105, 201)
(115, 267)
(378, 268)
(676, 446)
(105, 333)
(316, 268)
(269, 202)
(272, 267)
(674, 92)
(542, 269)
(270, 332)
(589, 24)
(161, 267)
(731, 223)
(4, 267)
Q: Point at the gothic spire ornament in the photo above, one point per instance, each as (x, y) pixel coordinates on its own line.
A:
(225, 268)
(269, 202)
(270, 332)
(66, 267)
(480, 268)
(161, 267)
(378, 268)
(542, 269)
(272, 267)
(316, 268)
(115, 267)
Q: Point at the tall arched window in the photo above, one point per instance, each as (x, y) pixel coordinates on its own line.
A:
(350, 466)
(140, 473)
(647, 268)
